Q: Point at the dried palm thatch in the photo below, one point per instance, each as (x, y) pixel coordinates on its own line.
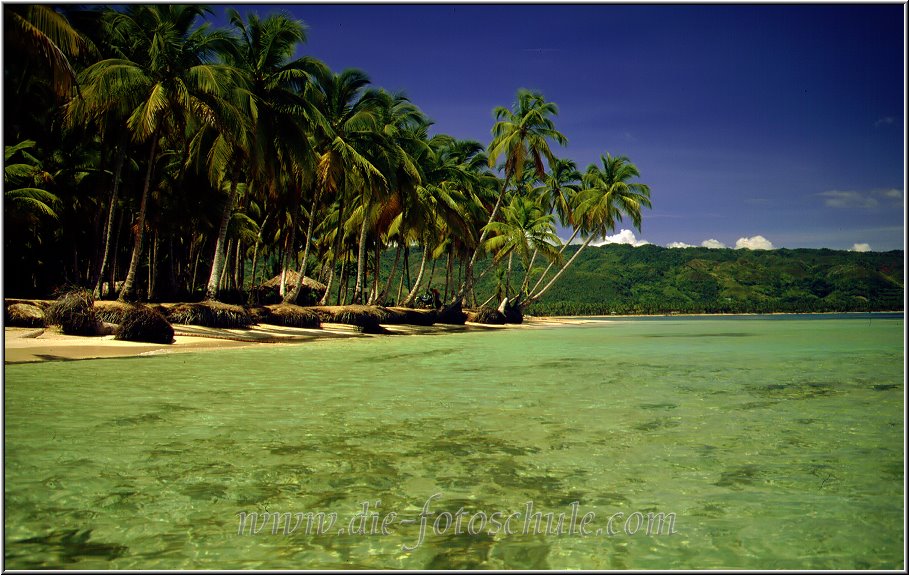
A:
(112, 311)
(489, 316)
(289, 316)
(24, 315)
(407, 316)
(142, 323)
(365, 317)
(210, 314)
(453, 315)
(74, 312)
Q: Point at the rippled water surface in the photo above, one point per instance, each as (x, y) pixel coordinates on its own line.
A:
(776, 444)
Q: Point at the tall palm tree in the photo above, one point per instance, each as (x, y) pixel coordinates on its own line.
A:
(520, 134)
(274, 111)
(608, 195)
(351, 126)
(165, 76)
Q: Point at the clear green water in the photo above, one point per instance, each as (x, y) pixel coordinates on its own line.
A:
(777, 444)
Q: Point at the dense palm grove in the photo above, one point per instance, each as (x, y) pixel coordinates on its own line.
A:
(151, 157)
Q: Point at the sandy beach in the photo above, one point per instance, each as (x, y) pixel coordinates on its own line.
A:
(29, 345)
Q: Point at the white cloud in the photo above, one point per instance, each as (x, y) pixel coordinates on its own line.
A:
(623, 237)
(713, 244)
(848, 199)
(886, 120)
(860, 248)
(753, 243)
(678, 245)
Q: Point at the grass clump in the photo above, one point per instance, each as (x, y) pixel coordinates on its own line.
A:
(489, 316)
(289, 316)
(23, 315)
(366, 317)
(112, 311)
(142, 323)
(211, 314)
(74, 312)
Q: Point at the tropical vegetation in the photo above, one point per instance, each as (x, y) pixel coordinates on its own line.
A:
(152, 157)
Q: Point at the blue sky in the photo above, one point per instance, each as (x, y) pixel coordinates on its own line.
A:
(779, 121)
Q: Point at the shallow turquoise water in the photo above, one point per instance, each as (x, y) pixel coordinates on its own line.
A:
(776, 444)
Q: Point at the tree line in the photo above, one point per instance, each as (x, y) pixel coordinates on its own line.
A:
(153, 157)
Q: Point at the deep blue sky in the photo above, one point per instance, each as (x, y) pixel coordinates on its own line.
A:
(784, 121)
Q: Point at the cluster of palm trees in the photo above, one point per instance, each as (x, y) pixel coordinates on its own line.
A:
(147, 146)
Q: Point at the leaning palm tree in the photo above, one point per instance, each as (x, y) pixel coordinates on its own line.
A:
(558, 191)
(165, 77)
(526, 229)
(520, 134)
(608, 195)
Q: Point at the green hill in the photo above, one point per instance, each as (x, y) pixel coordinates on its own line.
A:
(651, 279)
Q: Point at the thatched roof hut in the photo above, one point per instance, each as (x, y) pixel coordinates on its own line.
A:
(291, 281)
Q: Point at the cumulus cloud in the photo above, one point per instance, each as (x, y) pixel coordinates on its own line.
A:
(623, 237)
(713, 244)
(678, 245)
(860, 248)
(753, 243)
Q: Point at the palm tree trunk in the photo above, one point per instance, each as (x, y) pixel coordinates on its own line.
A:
(217, 264)
(292, 296)
(532, 298)
(112, 278)
(153, 268)
(527, 272)
(238, 284)
(408, 301)
(334, 256)
(128, 291)
(508, 275)
(361, 258)
(192, 286)
(222, 281)
(345, 279)
(391, 275)
(109, 228)
(546, 271)
(468, 276)
(432, 272)
(289, 254)
(448, 271)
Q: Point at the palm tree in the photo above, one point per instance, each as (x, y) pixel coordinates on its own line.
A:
(608, 195)
(351, 125)
(274, 112)
(165, 77)
(40, 33)
(520, 134)
(27, 179)
(526, 228)
(558, 191)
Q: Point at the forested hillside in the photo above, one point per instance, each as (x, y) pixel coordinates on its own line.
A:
(651, 279)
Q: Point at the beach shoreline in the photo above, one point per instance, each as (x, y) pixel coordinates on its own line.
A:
(35, 345)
